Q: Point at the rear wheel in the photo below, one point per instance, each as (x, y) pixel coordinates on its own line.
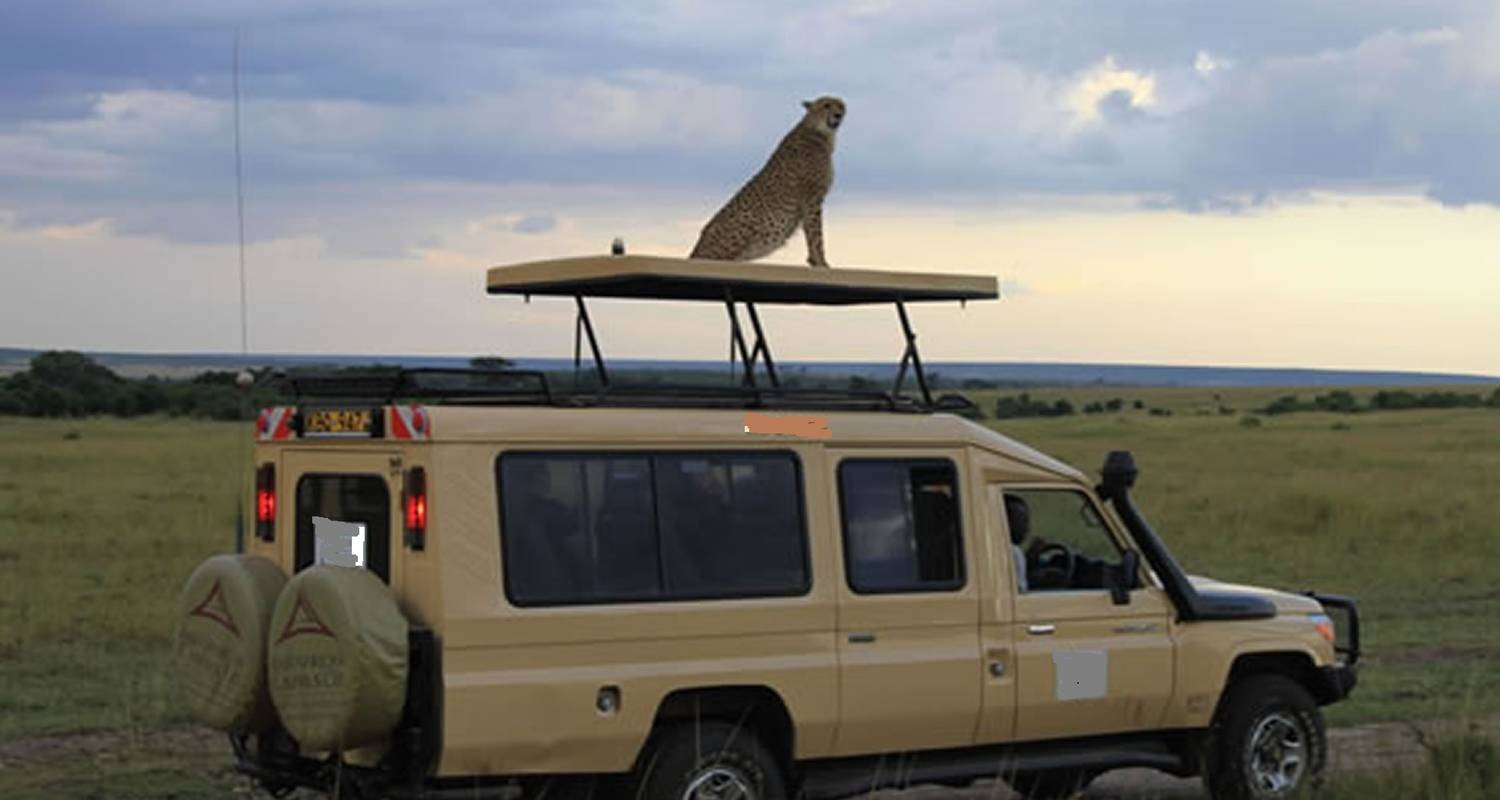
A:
(1267, 741)
(711, 761)
(1052, 784)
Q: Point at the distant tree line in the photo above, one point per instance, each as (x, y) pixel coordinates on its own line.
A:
(62, 383)
(1024, 405)
(1340, 401)
(69, 384)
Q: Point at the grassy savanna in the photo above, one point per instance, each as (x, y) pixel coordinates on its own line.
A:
(98, 532)
(1396, 508)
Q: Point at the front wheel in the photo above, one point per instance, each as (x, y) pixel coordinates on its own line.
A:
(1267, 741)
(711, 761)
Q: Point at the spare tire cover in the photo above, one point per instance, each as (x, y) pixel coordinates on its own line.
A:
(337, 659)
(219, 644)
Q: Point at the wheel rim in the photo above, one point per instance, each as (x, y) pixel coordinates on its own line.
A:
(719, 783)
(1276, 755)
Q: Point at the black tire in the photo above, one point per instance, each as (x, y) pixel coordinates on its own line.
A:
(1262, 723)
(700, 752)
(1052, 784)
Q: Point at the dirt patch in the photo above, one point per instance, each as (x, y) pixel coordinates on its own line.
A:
(1354, 749)
(201, 741)
(1428, 655)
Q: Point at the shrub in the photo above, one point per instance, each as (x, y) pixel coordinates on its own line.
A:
(1338, 401)
(1286, 404)
(1022, 405)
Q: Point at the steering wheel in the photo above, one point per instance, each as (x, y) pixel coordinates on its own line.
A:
(1053, 566)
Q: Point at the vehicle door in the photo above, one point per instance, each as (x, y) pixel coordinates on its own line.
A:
(908, 604)
(339, 493)
(1084, 665)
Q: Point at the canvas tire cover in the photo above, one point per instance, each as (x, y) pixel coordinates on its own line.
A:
(337, 658)
(219, 644)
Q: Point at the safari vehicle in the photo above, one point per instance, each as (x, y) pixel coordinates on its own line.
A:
(743, 591)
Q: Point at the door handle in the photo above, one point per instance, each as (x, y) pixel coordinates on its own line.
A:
(861, 638)
(1041, 630)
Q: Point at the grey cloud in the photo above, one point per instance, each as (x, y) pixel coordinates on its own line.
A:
(534, 223)
(1119, 108)
(121, 111)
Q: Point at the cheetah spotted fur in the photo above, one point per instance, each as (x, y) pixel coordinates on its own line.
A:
(786, 194)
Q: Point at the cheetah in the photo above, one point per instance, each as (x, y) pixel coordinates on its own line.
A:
(786, 194)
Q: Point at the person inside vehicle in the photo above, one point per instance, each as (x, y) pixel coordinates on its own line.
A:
(547, 538)
(1042, 565)
(1018, 519)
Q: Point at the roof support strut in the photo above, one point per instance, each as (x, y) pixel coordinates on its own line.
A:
(584, 325)
(762, 346)
(912, 356)
(749, 356)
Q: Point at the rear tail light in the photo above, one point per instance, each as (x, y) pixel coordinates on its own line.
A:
(414, 502)
(265, 502)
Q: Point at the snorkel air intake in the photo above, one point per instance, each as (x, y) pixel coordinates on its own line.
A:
(1119, 475)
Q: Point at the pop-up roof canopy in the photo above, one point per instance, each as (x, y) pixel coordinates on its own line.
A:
(735, 283)
(658, 278)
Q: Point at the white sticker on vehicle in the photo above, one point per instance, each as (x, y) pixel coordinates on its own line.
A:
(1081, 674)
(341, 544)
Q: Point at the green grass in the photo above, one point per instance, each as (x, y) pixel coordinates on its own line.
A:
(96, 536)
(1399, 509)
(1460, 765)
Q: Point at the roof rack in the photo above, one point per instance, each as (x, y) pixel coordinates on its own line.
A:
(735, 284)
(528, 387)
(388, 384)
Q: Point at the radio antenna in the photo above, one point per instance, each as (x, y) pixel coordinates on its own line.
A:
(239, 206)
(244, 379)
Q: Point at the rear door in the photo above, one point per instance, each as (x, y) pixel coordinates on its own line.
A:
(343, 493)
(908, 617)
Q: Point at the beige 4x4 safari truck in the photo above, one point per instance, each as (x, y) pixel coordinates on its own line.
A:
(467, 584)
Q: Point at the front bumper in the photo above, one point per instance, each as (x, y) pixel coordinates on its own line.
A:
(1338, 680)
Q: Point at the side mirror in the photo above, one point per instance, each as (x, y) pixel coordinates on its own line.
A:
(1122, 577)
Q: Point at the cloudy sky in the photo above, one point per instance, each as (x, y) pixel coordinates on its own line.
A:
(1281, 183)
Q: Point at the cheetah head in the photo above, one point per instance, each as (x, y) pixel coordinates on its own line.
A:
(824, 113)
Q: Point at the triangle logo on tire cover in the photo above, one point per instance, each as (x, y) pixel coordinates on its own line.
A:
(216, 608)
(303, 619)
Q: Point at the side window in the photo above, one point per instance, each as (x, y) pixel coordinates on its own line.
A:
(578, 529)
(731, 525)
(1060, 538)
(901, 525)
(593, 528)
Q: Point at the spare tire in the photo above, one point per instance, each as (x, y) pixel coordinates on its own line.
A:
(338, 658)
(219, 644)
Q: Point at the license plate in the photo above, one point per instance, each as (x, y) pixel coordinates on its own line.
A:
(347, 422)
